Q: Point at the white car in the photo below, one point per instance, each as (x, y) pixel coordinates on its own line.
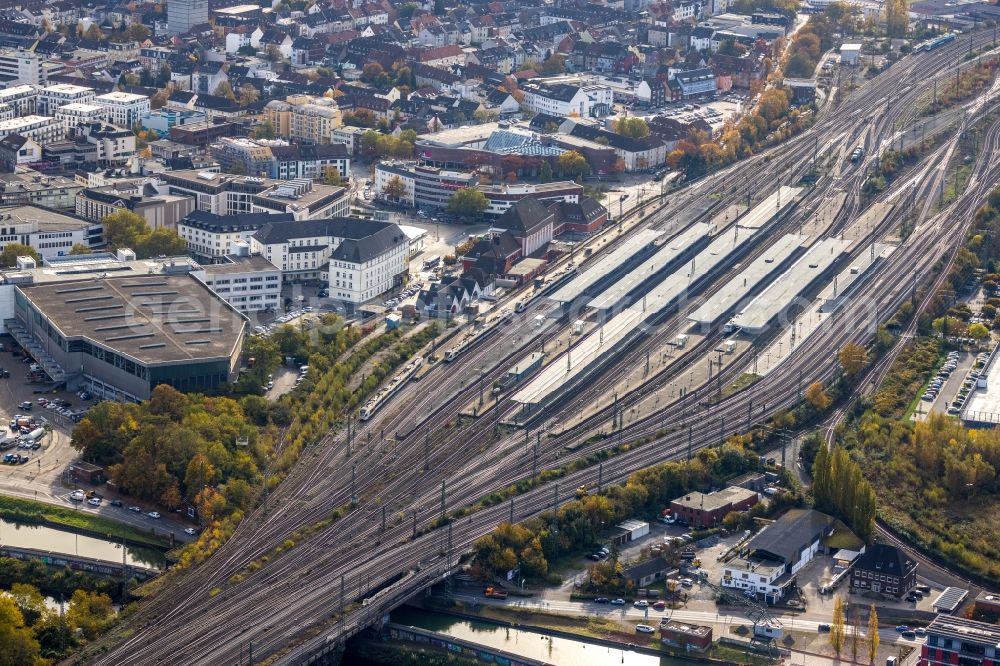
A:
(77, 496)
(93, 501)
(644, 629)
(190, 530)
(642, 603)
(153, 514)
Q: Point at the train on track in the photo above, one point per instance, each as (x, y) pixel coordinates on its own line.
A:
(932, 44)
(391, 388)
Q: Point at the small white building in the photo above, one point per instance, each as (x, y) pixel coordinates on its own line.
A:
(124, 109)
(850, 54)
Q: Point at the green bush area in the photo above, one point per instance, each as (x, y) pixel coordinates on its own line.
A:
(32, 634)
(937, 485)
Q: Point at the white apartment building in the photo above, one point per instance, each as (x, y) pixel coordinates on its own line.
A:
(20, 66)
(124, 109)
(22, 99)
(359, 259)
(211, 237)
(249, 283)
(115, 145)
(40, 128)
(563, 99)
(75, 113)
(52, 97)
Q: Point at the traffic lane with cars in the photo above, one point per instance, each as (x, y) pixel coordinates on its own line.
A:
(120, 510)
(628, 612)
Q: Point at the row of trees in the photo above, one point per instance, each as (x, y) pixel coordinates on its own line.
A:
(839, 635)
(375, 144)
(840, 489)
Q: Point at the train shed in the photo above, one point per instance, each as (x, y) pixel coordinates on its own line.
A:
(632, 250)
(573, 365)
(782, 292)
(676, 250)
(726, 299)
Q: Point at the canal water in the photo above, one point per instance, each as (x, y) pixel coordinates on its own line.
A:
(41, 537)
(535, 645)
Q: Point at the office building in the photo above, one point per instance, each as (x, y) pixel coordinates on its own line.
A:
(955, 640)
(40, 128)
(161, 210)
(20, 66)
(249, 283)
(49, 233)
(22, 99)
(75, 113)
(884, 569)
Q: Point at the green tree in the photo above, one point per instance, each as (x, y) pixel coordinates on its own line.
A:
(816, 397)
(123, 229)
(79, 248)
(873, 637)
(137, 32)
(554, 65)
(467, 202)
(248, 94)
(160, 242)
(18, 646)
(29, 601)
(11, 251)
(331, 176)
(633, 127)
(265, 130)
(979, 332)
(837, 630)
(93, 33)
(394, 189)
(545, 172)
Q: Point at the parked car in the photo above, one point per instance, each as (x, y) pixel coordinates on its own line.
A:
(659, 605)
(135, 509)
(641, 603)
(617, 602)
(822, 628)
(601, 600)
(190, 530)
(901, 628)
(76, 496)
(644, 629)
(116, 502)
(93, 501)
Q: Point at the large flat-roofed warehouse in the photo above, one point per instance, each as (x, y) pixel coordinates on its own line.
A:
(120, 337)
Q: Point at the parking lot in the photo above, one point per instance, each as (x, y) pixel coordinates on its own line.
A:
(952, 385)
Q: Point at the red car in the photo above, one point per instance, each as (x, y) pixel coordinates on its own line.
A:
(659, 605)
